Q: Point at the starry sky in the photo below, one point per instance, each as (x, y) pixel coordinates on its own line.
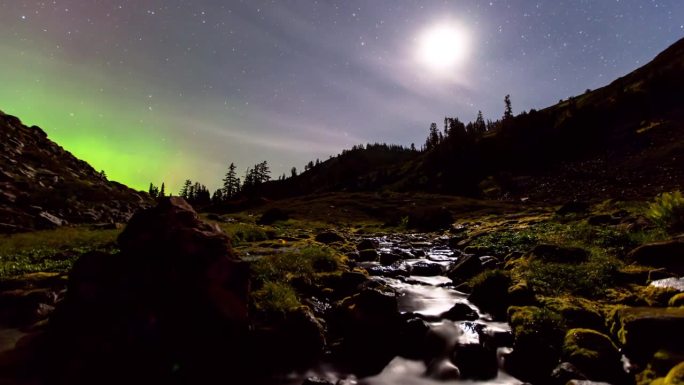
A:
(165, 90)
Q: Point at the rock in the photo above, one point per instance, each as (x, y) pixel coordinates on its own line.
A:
(644, 330)
(489, 263)
(305, 332)
(328, 237)
(538, 336)
(272, 216)
(594, 354)
(573, 207)
(465, 268)
(490, 292)
(412, 338)
(317, 381)
(558, 254)
(48, 221)
(175, 296)
(565, 372)
(387, 259)
(430, 219)
(426, 269)
(369, 323)
(668, 254)
(368, 244)
(460, 312)
(576, 312)
(478, 250)
(676, 300)
(369, 255)
(476, 361)
(675, 376)
(521, 294)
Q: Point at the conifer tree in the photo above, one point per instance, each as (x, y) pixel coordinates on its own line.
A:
(231, 183)
(186, 189)
(161, 191)
(508, 111)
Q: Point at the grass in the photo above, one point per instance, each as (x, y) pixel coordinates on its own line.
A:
(241, 232)
(667, 211)
(50, 250)
(276, 297)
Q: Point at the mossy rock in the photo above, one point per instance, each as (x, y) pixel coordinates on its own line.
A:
(656, 296)
(521, 294)
(577, 312)
(490, 292)
(538, 337)
(644, 330)
(677, 300)
(594, 354)
(675, 376)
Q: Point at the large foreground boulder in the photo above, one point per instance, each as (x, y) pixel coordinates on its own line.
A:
(668, 255)
(171, 307)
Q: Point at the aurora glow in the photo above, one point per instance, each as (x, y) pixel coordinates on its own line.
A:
(164, 90)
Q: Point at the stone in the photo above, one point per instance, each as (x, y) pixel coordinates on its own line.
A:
(369, 255)
(272, 216)
(317, 381)
(490, 293)
(594, 354)
(476, 361)
(574, 207)
(460, 312)
(368, 244)
(466, 267)
(644, 330)
(412, 338)
(426, 269)
(387, 259)
(328, 237)
(677, 300)
(174, 296)
(565, 372)
(667, 254)
(558, 254)
(675, 376)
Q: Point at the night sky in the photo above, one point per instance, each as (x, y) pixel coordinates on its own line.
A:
(164, 90)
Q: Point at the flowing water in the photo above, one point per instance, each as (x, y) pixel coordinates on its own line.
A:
(428, 296)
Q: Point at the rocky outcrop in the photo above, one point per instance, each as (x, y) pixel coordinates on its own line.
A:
(44, 186)
(171, 307)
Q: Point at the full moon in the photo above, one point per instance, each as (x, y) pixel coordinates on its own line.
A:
(442, 47)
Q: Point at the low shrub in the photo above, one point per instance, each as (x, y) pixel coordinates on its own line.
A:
(667, 211)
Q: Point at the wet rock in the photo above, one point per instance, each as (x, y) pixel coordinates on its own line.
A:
(490, 293)
(460, 312)
(478, 250)
(521, 294)
(538, 336)
(368, 244)
(565, 372)
(602, 219)
(558, 254)
(317, 381)
(412, 338)
(24, 307)
(586, 382)
(328, 237)
(387, 259)
(476, 361)
(576, 312)
(488, 262)
(644, 330)
(369, 323)
(174, 296)
(668, 254)
(272, 216)
(369, 255)
(594, 354)
(465, 268)
(426, 269)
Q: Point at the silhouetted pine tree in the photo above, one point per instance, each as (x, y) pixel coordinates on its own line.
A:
(508, 111)
(153, 191)
(161, 191)
(480, 125)
(293, 172)
(217, 197)
(231, 183)
(186, 189)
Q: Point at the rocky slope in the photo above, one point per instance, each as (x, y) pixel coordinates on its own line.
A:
(43, 186)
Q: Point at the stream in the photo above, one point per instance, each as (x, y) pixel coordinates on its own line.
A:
(424, 290)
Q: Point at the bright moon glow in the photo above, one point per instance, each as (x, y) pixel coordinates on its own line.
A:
(442, 47)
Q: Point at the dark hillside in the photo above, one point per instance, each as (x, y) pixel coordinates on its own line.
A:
(43, 186)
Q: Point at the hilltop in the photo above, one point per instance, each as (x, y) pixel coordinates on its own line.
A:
(44, 186)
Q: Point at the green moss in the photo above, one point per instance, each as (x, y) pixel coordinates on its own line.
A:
(667, 211)
(586, 346)
(535, 326)
(276, 297)
(675, 376)
(241, 232)
(576, 312)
